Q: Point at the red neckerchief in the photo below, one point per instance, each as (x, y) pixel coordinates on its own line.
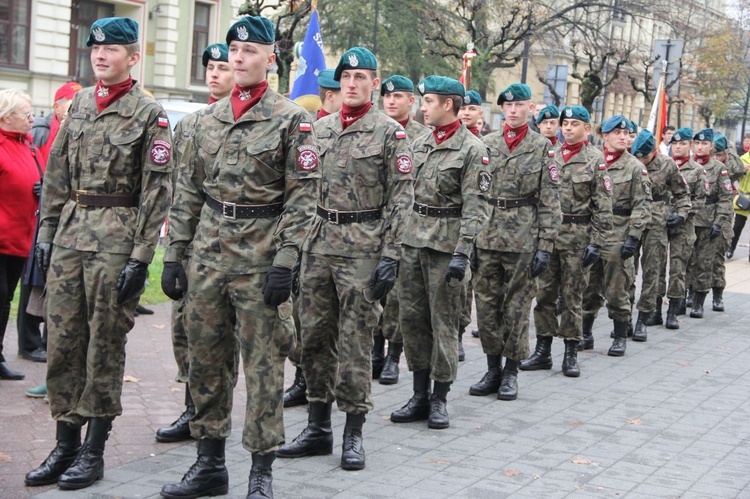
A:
(611, 157)
(243, 98)
(570, 150)
(322, 113)
(349, 115)
(105, 96)
(702, 160)
(474, 130)
(212, 99)
(681, 161)
(514, 136)
(403, 123)
(445, 132)
(553, 139)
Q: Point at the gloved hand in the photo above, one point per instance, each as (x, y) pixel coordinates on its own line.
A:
(473, 261)
(383, 277)
(629, 247)
(457, 268)
(714, 232)
(295, 276)
(540, 263)
(42, 255)
(174, 280)
(590, 255)
(277, 286)
(674, 220)
(131, 280)
(38, 188)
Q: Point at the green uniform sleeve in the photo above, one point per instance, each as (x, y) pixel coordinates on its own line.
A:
(549, 214)
(640, 195)
(601, 207)
(400, 193)
(475, 211)
(678, 187)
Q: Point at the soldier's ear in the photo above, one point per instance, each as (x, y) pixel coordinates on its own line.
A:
(134, 58)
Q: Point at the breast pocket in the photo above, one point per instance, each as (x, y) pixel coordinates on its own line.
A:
(449, 175)
(621, 190)
(123, 151)
(265, 158)
(529, 171)
(369, 174)
(582, 186)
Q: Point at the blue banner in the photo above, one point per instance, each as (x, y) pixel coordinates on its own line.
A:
(311, 62)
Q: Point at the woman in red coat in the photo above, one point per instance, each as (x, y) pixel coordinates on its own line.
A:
(21, 169)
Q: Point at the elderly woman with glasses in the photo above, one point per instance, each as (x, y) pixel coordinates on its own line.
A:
(21, 169)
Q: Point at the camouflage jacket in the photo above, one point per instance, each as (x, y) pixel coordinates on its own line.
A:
(631, 191)
(454, 173)
(718, 209)
(528, 171)
(734, 165)
(124, 150)
(368, 166)
(585, 189)
(697, 184)
(415, 130)
(267, 156)
(669, 191)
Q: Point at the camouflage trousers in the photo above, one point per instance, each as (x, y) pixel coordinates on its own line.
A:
(338, 321)
(389, 325)
(610, 278)
(504, 291)
(295, 356)
(87, 332)
(179, 336)
(700, 269)
(225, 317)
(718, 274)
(653, 259)
(565, 275)
(430, 309)
(681, 243)
(465, 319)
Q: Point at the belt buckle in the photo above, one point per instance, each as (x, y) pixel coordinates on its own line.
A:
(502, 203)
(333, 217)
(78, 197)
(422, 210)
(232, 214)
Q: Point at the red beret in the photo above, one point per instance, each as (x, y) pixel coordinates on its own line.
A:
(67, 91)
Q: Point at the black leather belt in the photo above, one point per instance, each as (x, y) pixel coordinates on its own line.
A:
(712, 200)
(576, 219)
(348, 217)
(435, 211)
(663, 197)
(233, 211)
(505, 203)
(621, 212)
(84, 199)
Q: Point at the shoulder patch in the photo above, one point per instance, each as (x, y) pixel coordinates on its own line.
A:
(404, 163)
(727, 184)
(602, 166)
(484, 181)
(644, 172)
(554, 175)
(307, 157)
(400, 134)
(647, 188)
(304, 126)
(607, 184)
(485, 160)
(162, 122)
(160, 151)
(724, 172)
(551, 153)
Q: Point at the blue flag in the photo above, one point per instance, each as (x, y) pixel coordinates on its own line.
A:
(311, 62)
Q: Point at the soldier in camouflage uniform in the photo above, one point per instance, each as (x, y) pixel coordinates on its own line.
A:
(548, 121)
(586, 204)
(220, 80)
(244, 199)
(448, 212)
(613, 275)
(351, 258)
(515, 245)
(106, 192)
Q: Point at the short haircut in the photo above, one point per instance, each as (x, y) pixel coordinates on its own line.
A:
(458, 101)
(322, 91)
(667, 128)
(132, 48)
(9, 100)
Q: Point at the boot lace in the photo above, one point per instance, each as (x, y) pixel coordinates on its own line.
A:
(258, 480)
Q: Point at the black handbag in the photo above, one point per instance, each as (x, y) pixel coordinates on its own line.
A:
(742, 202)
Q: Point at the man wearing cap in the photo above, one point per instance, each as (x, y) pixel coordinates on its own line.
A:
(709, 222)
(106, 192)
(329, 91)
(220, 81)
(471, 111)
(351, 257)
(548, 121)
(244, 198)
(632, 133)
(585, 201)
(448, 213)
(515, 246)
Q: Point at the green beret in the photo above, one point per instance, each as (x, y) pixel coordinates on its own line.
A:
(548, 113)
(441, 85)
(113, 31)
(682, 134)
(643, 145)
(616, 121)
(720, 142)
(633, 127)
(472, 98)
(355, 58)
(575, 113)
(515, 92)
(325, 80)
(396, 83)
(216, 52)
(256, 29)
(705, 134)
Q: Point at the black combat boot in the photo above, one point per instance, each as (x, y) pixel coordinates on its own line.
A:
(378, 355)
(418, 407)
(438, 419)
(260, 483)
(295, 394)
(88, 466)
(61, 457)
(697, 311)
(179, 430)
(509, 384)
(316, 439)
(641, 332)
(690, 297)
(542, 357)
(655, 318)
(682, 307)
(672, 322)
(718, 301)
(461, 353)
(630, 330)
(208, 476)
(570, 359)
(352, 452)
(390, 373)
(621, 340)
(490, 382)
(587, 342)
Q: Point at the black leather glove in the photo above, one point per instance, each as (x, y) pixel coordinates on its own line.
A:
(278, 286)
(295, 276)
(42, 255)
(383, 277)
(590, 255)
(473, 261)
(131, 280)
(674, 220)
(540, 263)
(629, 247)
(457, 268)
(714, 232)
(174, 280)
(38, 188)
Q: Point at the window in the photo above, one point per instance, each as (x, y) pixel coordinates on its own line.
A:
(83, 14)
(200, 41)
(15, 16)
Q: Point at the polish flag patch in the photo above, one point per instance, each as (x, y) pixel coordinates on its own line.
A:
(485, 160)
(602, 166)
(305, 127)
(400, 134)
(551, 154)
(645, 172)
(162, 122)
